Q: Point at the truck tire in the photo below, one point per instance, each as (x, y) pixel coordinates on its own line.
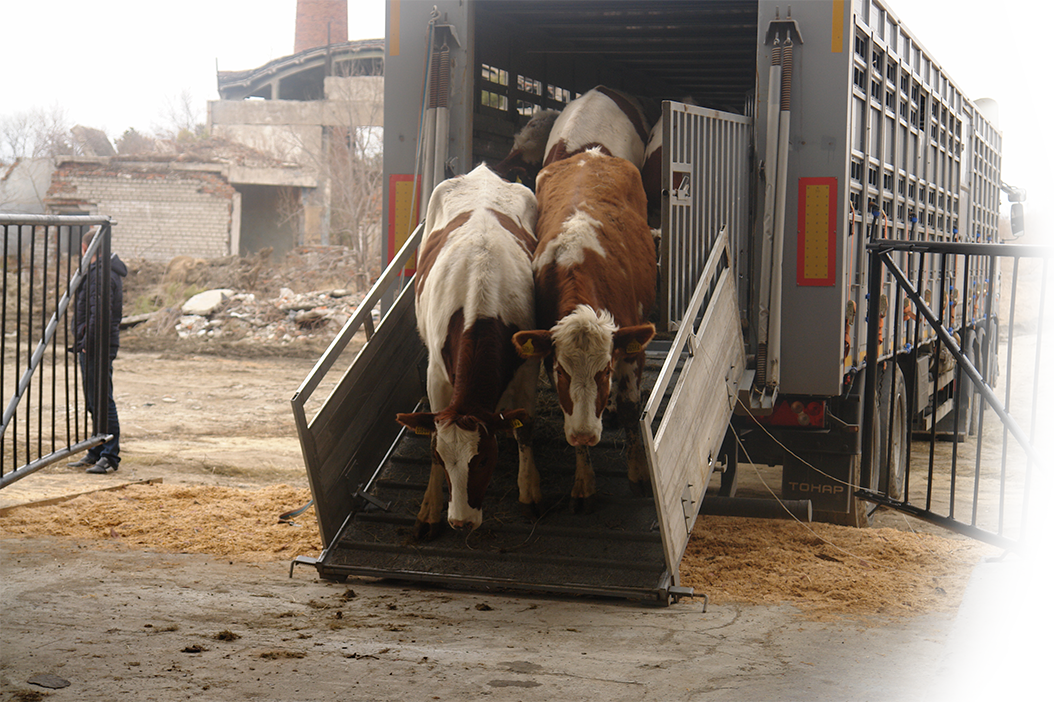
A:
(894, 440)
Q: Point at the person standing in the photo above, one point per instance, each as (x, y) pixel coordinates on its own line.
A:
(106, 457)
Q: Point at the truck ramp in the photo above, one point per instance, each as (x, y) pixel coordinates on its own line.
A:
(368, 474)
(613, 549)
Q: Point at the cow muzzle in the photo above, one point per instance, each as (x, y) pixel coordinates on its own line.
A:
(467, 524)
(583, 439)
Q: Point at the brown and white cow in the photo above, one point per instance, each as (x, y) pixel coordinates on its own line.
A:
(594, 272)
(474, 290)
(604, 118)
(651, 175)
(528, 149)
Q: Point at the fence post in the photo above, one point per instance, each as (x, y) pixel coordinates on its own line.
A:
(874, 292)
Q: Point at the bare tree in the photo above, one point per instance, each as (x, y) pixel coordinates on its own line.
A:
(355, 171)
(132, 142)
(181, 118)
(36, 133)
(348, 161)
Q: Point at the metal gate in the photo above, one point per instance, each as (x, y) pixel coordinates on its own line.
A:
(706, 191)
(986, 324)
(45, 417)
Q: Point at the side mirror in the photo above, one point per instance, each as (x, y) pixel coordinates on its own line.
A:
(1017, 219)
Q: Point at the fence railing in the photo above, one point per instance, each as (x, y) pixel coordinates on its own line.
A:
(983, 329)
(45, 418)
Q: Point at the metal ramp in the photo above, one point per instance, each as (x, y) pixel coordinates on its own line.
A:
(368, 476)
(614, 550)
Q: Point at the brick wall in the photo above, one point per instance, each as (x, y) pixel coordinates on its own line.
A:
(160, 212)
(312, 19)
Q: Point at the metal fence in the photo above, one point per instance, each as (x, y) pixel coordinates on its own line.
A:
(45, 418)
(980, 462)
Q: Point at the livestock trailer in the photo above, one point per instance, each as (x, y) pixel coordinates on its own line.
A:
(791, 136)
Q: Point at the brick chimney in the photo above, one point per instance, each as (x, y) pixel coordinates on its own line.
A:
(314, 18)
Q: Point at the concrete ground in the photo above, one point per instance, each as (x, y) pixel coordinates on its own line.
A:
(158, 626)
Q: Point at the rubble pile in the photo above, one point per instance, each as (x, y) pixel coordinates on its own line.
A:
(242, 302)
(238, 316)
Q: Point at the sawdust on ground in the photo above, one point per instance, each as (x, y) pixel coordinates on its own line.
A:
(824, 570)
(237, 524)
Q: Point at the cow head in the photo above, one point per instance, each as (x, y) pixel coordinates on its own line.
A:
(528, 149)
(467, 448)
(585, 346)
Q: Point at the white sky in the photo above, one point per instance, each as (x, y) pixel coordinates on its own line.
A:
(115, 64)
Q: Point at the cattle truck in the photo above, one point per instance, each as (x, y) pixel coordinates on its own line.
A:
(792, 135)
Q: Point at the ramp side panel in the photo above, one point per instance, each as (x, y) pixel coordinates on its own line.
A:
(356, 425)
(694, 424)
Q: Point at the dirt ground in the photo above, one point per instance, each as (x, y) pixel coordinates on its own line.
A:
(183, 609)
(119, 618)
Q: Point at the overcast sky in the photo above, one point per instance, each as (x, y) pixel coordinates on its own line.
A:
(114, 64)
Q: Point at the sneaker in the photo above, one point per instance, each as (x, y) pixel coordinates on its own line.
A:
(103, 465)
(83, 462)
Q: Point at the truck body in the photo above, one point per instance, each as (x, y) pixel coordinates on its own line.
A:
(789, 142)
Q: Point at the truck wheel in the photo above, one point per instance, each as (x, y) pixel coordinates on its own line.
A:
(894, 442)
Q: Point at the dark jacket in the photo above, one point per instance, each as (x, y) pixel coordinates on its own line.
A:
(88, 299)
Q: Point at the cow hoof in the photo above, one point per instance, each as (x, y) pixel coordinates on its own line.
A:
(583, 505)
(532, 511)
(640, 488)
(425, 531)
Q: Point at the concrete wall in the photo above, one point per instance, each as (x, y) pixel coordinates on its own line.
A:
(290, 130)
(293, 132)
(161, 210)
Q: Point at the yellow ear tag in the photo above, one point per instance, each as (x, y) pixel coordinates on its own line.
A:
(527, 349)
(633, 347)
(424, 431)
(516, 424)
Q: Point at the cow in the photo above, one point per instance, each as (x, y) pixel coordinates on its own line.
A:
(651, 175)
(604, 118)
(528, 149)
(595, 273)
(475, 289)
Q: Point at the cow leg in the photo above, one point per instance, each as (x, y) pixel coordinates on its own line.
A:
(629, 407)
(637, 462)
(583, 494)
(529, 480)
(429, 522)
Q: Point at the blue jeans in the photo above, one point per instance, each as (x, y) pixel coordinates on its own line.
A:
(112, 448)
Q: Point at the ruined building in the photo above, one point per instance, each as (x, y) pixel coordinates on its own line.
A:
(321, 108)
(293, 158)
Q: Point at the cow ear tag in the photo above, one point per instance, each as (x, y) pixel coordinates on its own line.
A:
(424, 431)
(516, 424)
(633, 347)
(527, 349)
